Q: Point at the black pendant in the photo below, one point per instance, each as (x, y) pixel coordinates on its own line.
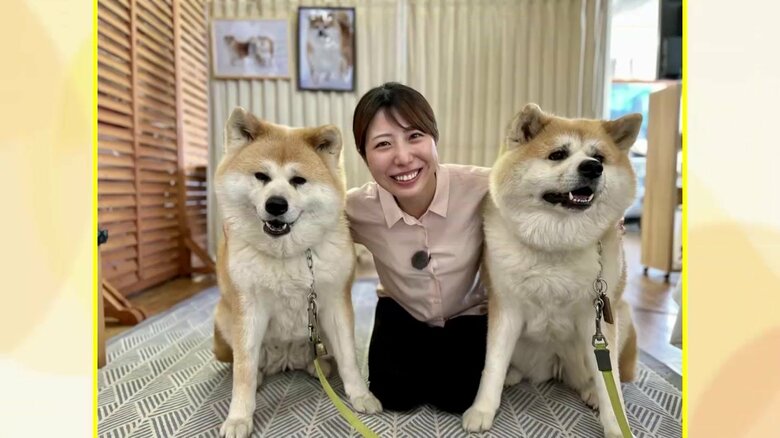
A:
(420, 259)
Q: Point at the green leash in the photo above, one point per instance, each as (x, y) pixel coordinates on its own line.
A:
(604, 309)
(345, 412)
(605, 366)
(319, 350)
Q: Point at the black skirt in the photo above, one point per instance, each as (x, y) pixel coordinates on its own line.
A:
(411, 363)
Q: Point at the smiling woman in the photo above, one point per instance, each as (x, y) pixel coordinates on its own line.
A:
(420, 220)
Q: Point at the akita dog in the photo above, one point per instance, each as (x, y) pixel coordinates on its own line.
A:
(556, 196)
(281, 195)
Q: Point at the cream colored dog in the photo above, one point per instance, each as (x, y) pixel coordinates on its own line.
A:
(280, 191)
(557, 191)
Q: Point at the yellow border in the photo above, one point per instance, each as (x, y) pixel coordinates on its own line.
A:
(684, 222)
(95, 288)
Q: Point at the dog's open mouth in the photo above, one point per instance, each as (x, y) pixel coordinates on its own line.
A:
(578, 199)
(276, 228)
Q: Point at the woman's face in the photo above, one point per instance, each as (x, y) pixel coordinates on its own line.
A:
(402, 161)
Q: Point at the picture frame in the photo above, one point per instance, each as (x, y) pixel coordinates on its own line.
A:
(326, 48)
(257, 48)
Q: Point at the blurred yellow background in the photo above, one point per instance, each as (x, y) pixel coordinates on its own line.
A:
(733, 214)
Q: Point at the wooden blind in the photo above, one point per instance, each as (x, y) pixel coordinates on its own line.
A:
(144, 138)
(193, 118)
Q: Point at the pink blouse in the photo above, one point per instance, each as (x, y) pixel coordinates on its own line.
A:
(450, 232)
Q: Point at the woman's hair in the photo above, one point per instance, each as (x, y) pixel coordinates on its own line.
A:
(397, 100)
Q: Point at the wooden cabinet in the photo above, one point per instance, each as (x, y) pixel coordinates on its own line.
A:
(663, 191)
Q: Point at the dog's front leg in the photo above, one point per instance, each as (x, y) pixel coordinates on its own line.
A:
(606, 413)
(249, 327)
(339, 326)
(503, 331)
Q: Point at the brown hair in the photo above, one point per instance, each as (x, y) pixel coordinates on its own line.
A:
(397, 99)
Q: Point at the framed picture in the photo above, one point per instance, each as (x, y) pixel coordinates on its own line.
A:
(326, 48)
(250, 49)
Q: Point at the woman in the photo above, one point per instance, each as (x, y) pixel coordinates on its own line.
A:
(421, 221)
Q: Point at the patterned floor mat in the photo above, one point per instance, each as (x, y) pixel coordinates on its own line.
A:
(161, 380)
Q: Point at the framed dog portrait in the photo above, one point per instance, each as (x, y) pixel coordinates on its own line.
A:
(326, 48)
(250, 48)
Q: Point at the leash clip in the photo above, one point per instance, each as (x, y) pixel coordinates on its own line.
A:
(598, 338)
(317, 346)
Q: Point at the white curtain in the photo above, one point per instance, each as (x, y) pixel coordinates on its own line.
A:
(477, 62)
(480, 61)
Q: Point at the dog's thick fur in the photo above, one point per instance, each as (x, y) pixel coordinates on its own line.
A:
(261, 318)
(541, 259)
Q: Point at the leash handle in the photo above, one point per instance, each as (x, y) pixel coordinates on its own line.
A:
(345, 412)
(605, 366)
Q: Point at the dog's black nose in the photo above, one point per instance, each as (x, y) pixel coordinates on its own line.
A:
(276, 205)
(590, 169)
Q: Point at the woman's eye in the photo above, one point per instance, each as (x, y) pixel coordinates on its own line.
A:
(298, 181)
(415, 135)
(262, 177)
(558, 155)
(382, 144)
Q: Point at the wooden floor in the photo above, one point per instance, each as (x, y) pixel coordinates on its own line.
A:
(161, 298)
(654, 308)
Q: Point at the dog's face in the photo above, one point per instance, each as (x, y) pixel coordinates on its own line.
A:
(323, 27)
(279, 188)
(263, 45)
(263, 48)
(562, 182)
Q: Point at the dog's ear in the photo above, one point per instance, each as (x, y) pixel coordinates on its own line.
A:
(624, 130)
(326, 141)
(525, 125)
(241, 129)
(343, 20)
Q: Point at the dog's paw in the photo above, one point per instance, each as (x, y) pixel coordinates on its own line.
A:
(476, 420)
(366, 404)
(236, 428)
(610, 424)
(613, 432)
(513, 377)
(590, 397)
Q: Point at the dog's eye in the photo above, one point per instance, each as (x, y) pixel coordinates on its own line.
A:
(297, 181)
(558, 155)
(599, 157)
(262, 177)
